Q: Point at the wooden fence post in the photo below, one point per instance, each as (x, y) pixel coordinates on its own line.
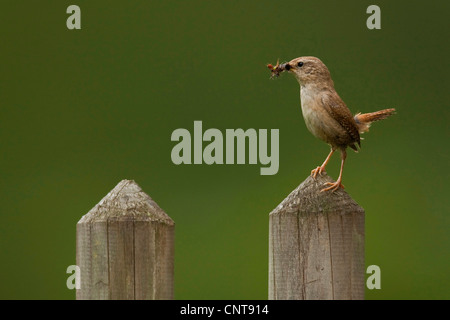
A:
(125, 247)
(316, 245)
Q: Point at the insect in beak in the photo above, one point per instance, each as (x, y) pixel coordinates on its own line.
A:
(277, 69)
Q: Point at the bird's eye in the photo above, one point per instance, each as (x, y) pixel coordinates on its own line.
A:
(300, 64)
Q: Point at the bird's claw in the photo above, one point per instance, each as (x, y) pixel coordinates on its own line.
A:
(316, 171)
(333, 186)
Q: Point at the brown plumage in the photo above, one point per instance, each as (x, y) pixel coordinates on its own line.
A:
(325, 113)
(363, 121)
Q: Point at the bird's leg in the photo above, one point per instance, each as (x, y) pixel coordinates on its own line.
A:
(321, 169)
(333, 186)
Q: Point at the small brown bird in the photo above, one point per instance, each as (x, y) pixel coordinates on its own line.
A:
(326, 115)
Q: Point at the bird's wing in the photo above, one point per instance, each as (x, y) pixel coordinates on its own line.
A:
(337, 109)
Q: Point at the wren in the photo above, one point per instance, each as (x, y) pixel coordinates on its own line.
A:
(325, 113)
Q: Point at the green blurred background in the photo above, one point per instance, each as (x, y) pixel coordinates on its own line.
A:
(81, 110)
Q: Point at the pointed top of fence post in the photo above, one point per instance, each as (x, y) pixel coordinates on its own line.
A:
(127, 201)
(307, 197)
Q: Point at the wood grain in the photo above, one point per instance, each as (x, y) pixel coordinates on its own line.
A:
(125, 248)
(316, 245)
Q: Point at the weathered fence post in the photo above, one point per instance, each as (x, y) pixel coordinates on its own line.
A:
(316, 245)
(125, 247)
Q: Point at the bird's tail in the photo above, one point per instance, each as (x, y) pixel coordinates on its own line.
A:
(364, 120)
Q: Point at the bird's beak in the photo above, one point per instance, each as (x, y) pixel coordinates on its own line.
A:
(285, 66)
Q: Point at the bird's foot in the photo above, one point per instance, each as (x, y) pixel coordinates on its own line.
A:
(333, 186)
(316, 171)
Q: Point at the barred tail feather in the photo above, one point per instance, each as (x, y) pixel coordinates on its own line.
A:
(364, 120)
